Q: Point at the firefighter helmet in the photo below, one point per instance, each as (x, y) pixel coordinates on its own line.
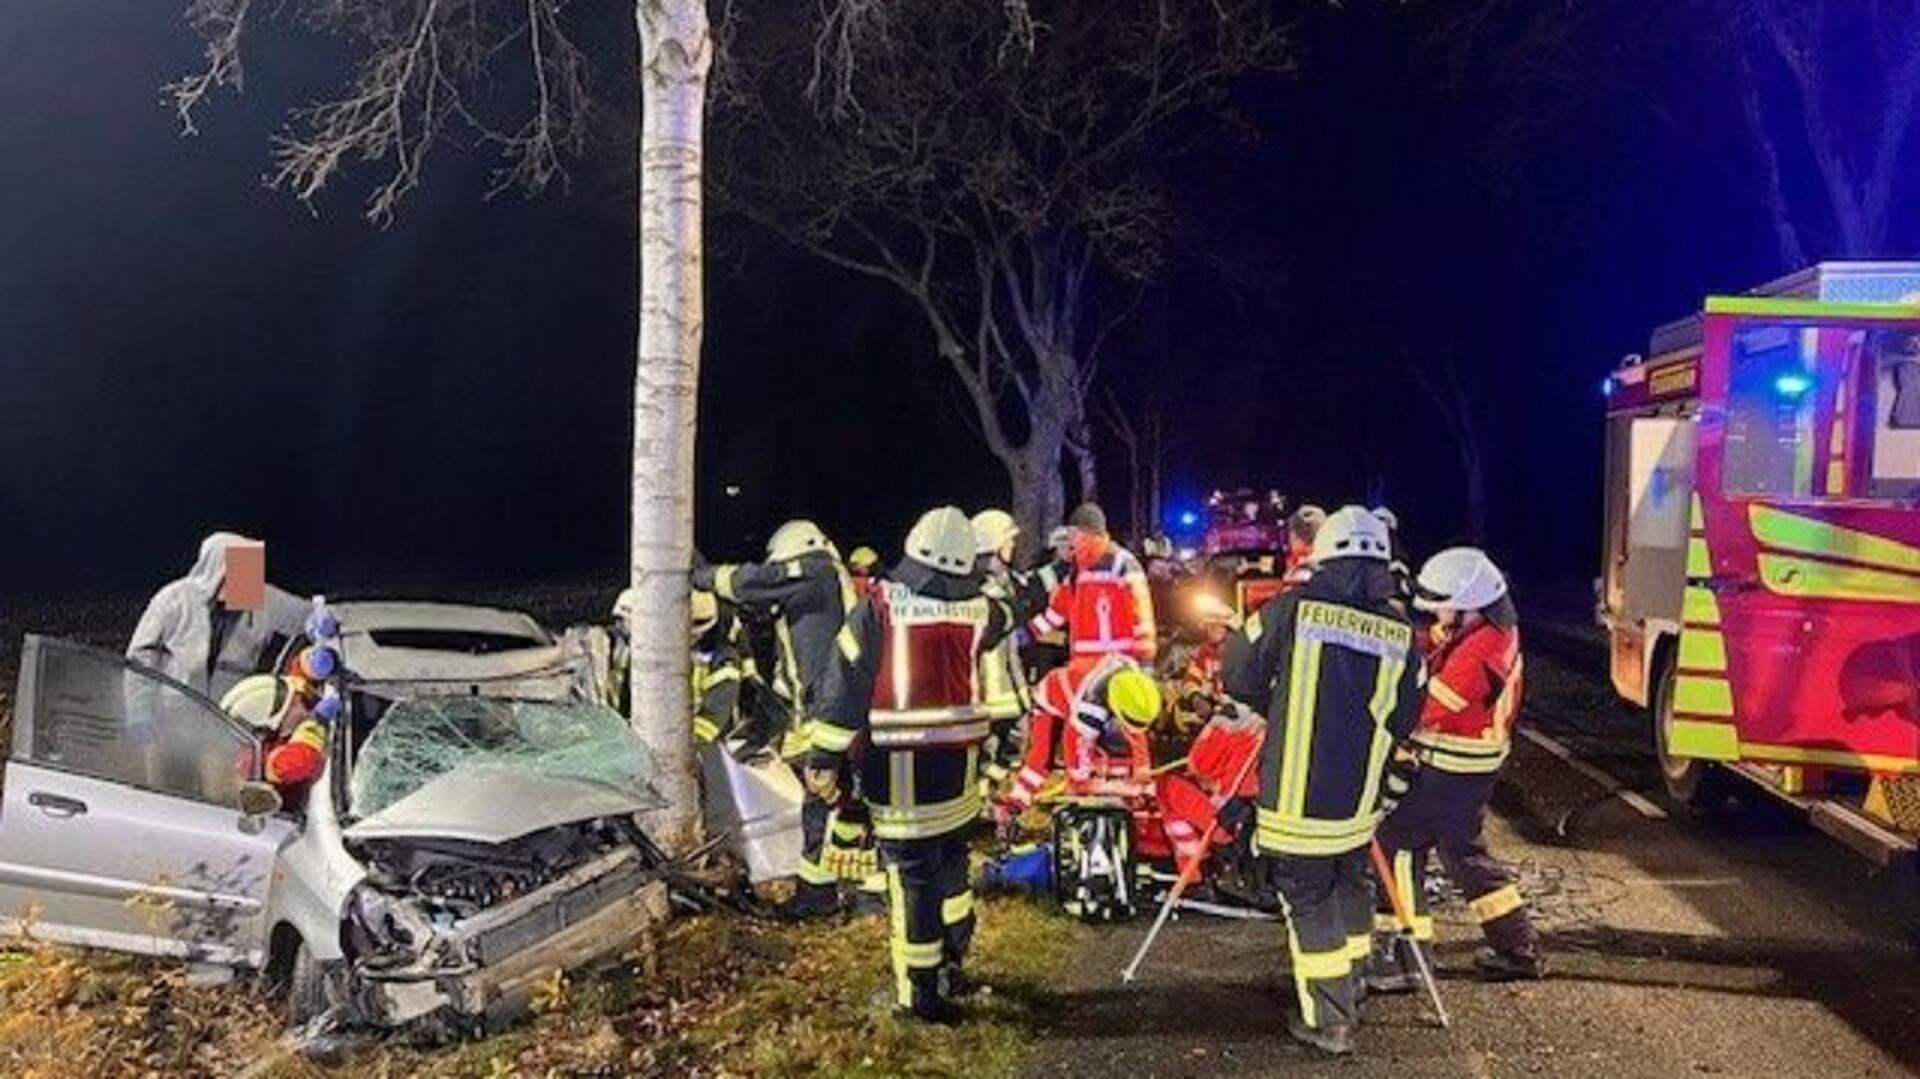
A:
(795, 538)
(625, 603)
(1305, 523)
(1351, 532)
(703, 610)
(1459, 578)
(260, 701)
(1387, 517)
(994, 531)
(863, 559)
(942, 540)
(1134, 696)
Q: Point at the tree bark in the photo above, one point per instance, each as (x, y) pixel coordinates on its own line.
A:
(675, 54)
(1039, 499)
(1086, 465)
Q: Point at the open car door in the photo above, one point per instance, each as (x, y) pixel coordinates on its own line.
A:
(119, 818)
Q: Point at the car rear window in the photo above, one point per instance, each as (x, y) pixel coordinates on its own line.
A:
(466, 641)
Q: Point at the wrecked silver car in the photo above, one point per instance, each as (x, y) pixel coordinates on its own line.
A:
(473, 831)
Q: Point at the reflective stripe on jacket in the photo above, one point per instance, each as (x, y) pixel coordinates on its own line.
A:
(1334, 667)
(1473, 698)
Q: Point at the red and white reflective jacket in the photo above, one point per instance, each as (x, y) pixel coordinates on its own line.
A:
(1106, 608)
(1222, 749)
(1069, 713)
(1473, 697)
(921, 658)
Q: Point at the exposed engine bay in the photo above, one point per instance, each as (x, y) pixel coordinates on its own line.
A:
(433, 907)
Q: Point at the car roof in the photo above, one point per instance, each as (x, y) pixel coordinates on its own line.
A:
(375, 661)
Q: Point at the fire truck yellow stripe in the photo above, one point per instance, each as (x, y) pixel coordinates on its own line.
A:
(1700, 607)
(1809, 535)
(1703, 741)
(1702, 650)
(1699, 564)
(1703, 696)
(1804, 578)
(1871, 762)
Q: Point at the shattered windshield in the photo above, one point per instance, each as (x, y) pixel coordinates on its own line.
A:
(423, 739)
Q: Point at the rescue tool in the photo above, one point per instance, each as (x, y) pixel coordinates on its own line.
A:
(1188, 874)
(1403, 915)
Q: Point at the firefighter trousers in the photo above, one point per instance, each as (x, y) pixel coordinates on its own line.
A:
(1444, 812)
(930, 906)
(1328, 900)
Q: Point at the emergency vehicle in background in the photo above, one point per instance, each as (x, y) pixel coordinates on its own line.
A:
(1761, 572)
(1244, 547)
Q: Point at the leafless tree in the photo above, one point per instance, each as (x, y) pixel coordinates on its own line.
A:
(1823, 89)
(1145, 443)
(415, 86)
(1438, 376)
(995, 163)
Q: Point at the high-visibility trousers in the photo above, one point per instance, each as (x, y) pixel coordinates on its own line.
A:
(930, 907)
(1445, 811)
(1328, 901)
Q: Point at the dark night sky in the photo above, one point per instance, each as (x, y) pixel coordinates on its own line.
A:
(448, 400)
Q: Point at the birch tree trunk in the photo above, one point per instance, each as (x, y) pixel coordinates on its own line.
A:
(675, 53)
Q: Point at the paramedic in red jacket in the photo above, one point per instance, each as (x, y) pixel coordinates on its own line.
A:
(1191, 799)
(1094, 722)
(1461, 742)
(1106, 607)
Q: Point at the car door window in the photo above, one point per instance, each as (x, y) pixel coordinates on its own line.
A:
(99, 716)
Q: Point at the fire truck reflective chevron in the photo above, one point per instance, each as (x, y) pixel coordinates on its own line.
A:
(1703, 699)
(1810, 535)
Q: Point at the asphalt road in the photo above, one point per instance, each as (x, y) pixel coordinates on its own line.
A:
(1743, 944)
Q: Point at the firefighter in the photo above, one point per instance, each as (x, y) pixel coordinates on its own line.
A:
(807, 593)
(1191, 667)
(1042, 652)
(1106, 607)
(1402, 572)
(994, 533)
(1465, 730)
(863, 565)
(1333, 666)
(905, 710)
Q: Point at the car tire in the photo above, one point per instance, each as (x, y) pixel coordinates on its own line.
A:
(1701, 786)
(308, 992)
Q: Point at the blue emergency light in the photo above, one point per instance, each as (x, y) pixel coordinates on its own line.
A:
(1792, 384)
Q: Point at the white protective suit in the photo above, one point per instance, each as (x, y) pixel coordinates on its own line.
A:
(177, 631)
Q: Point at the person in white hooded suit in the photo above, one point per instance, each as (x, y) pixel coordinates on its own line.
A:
(211, 628)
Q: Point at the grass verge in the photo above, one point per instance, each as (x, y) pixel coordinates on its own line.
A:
(710, 996)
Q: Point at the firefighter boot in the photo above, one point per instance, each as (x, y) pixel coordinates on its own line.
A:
(1334, 1041)
(1498, 966)
(1390, 969)
(811, 901)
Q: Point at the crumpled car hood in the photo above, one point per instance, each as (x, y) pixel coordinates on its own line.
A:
(495, 804)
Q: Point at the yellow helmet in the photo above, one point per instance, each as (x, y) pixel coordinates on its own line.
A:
(863, 558)
(1134, 696)
(703, 610)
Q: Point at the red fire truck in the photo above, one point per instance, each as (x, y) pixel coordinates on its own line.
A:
(1761, 573)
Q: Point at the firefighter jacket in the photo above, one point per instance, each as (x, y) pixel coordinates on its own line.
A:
(1106, 608)
(905, 700)
(1473, 697)
(808, 597)
(1333, 666)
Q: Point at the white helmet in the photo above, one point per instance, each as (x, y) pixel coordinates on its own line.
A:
(260, 701)
(942, 540)
(795, 538)
(1351, 532)
(1387, 517)
(1461, 578)
(625, 603)
(993, 531)
(1211, 610)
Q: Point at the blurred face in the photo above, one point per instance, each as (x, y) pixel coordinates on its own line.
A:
(1216, 632)
(1087, 546)
(243, 587)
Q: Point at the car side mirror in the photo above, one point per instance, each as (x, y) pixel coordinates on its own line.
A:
(259, 799)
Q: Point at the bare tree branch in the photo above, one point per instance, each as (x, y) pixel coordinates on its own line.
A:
(222, 23)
